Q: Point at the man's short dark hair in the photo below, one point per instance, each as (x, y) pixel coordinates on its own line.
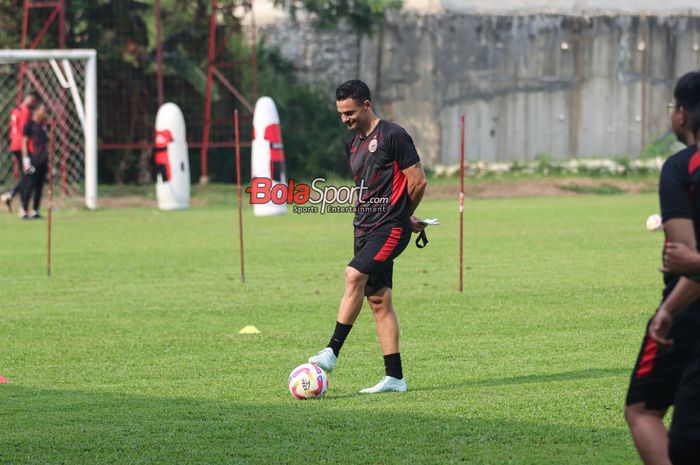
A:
(687, 95)
(354, 89)
(33, 95)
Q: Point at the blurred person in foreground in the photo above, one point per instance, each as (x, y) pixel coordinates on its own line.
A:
(660, 376)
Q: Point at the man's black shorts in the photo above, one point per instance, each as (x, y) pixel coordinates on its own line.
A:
(658, 370)
(684, 436)
(375, 254)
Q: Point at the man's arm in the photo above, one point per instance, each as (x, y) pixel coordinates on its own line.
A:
(680, 259)
(686, 291)
(26, 161)
(416, 184)
(25, 146)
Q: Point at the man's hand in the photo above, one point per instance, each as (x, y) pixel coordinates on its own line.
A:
(27, 167)
(660, 326)
(416, 225)
(680, 259)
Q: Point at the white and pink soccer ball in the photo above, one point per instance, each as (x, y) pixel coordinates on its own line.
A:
(308, 381)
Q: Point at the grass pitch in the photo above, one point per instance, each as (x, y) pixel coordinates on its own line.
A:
(130, 353)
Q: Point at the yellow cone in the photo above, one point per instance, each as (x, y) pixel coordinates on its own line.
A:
(249, 330)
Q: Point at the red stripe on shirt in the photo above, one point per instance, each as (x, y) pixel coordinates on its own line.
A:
(400, 183)
(648, 356)
(389, 246)
(18, 119)
(694, 162)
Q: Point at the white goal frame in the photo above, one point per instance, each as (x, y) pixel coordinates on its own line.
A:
(87, 110)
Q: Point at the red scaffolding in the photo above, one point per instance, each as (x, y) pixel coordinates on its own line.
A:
(215, 65)
(57, 15)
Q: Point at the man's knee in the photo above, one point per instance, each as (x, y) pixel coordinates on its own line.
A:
(380, 302)
(354, 280)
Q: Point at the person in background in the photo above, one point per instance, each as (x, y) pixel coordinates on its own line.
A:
(35, 161)
(18, 119)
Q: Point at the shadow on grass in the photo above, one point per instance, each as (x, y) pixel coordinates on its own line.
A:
(67, 427)
(589, 373)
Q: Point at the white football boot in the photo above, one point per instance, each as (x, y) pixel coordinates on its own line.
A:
(387, 384)
(326, 359)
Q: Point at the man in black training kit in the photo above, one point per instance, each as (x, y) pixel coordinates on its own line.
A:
(384, 160)
(659, 370)
(35, 156)
(682, 257)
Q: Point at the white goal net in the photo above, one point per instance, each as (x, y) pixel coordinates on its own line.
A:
(66, 81)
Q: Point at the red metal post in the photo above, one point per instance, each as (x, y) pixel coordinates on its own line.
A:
(25, 23)
(64, 164)
(204, 178)
(240, 195)
(159, 53)
(461, 201)
(23, 44)
(48, 240)
(63, 126)
(62, 24)
(254, 51)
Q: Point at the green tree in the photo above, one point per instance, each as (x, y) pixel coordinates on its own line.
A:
(362, 15)
(123, 33)
(311, 129)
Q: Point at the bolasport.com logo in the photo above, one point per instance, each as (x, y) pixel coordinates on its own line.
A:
(315, 197)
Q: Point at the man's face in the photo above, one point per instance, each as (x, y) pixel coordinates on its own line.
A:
(30, 101)
(352, 114)
(678, 121)
(40, 113)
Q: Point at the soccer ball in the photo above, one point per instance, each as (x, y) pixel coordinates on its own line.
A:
(308, 381)
(654, 223)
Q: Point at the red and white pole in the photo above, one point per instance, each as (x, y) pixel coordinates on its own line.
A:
(461, 201)
(240, 195)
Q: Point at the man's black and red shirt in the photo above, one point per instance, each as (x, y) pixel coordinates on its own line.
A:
(679, 196)
(377, 163)
(38, 142)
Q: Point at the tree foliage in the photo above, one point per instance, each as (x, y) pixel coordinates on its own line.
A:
(311, 129)
(362, 15)
(123, 33)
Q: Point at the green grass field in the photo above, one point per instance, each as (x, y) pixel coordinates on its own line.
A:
(130, 353)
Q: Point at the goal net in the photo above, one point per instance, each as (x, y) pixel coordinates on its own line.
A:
(66, 81)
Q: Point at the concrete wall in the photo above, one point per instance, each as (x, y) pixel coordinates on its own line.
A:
(533, 84)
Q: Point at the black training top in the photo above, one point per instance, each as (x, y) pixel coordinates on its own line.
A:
(679, 195)
(377, 162)
(38, 141)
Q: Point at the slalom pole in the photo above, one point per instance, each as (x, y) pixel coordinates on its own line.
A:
(240, 196)
(48, 243)
(461, 202)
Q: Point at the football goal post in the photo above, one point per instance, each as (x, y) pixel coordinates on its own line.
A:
(66, 81)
